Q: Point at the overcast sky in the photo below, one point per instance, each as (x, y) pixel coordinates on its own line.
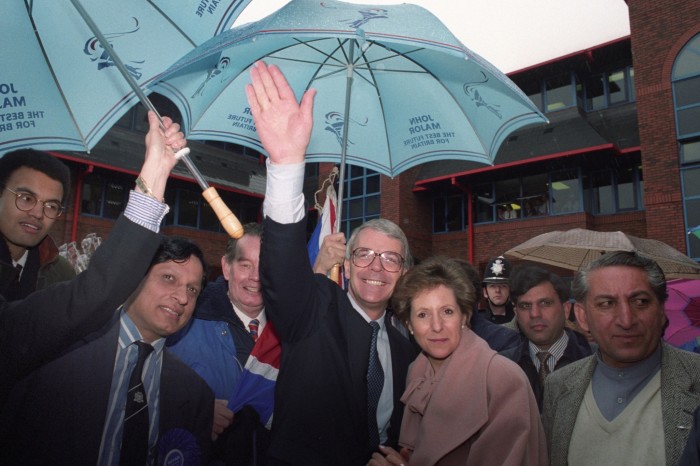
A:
(511, 34)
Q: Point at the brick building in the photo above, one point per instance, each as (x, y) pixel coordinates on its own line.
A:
(621, 152)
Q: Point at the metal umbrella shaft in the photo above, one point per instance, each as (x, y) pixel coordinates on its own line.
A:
(227, 218)
(335, 271)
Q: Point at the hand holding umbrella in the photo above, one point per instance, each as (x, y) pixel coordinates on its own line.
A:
(228, 220)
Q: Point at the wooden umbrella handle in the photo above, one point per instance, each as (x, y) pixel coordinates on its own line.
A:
(335, 273)
(227, 218)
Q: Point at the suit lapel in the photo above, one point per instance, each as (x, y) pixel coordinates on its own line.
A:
(357, 334)
(92, 382)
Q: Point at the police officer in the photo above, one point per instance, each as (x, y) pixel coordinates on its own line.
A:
(496, 290)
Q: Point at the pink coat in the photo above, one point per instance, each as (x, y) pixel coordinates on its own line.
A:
(478, 409)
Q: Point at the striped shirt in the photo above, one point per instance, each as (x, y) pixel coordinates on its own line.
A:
(127, 354)
(145, 211)
(556, 351)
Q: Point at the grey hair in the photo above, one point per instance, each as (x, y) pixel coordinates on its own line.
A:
(655, 276)
(386, 227)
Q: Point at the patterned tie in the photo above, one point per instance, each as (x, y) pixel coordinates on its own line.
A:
(134, 449)
(375, 383)
(253, 327)
(544, 367)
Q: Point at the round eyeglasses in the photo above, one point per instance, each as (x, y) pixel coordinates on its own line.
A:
(391, 261)
(25, 202)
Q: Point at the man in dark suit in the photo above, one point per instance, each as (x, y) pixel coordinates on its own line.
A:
(76, 407)
(546, 344)
(323, 413)
(38, 328)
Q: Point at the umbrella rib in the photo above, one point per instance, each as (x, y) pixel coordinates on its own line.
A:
(83, 139)
(466, 116)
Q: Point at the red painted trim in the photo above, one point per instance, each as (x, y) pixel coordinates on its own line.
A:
(630, 150)
(557, 155)
(76, 204)
(131, 172)
(585, 53)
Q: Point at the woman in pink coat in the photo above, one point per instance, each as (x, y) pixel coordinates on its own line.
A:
(464, 404)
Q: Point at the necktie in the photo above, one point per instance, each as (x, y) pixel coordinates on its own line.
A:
(134, 449)
(253, 327)
(544, 367)
(375, 383)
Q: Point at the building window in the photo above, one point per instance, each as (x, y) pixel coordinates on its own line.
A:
(606, 89)
(686, 98)
(691, 200)
(484, 203)
(448, 214)
(610, 191)
(189, 209)
(361, 197)
(105, 197)
(565, 192)
(560, 92)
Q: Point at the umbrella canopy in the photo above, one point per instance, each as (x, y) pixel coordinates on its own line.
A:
(683, 311)
(60, 89)
(573, 249)
(395, 87)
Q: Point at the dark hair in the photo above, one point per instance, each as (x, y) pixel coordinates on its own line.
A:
(431, 273)
(36, 160)
(471, 271)
(525, 277)
(179, 249)
(251, 229)
(655, 276)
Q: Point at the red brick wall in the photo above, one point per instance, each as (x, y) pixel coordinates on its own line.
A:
(659, 30)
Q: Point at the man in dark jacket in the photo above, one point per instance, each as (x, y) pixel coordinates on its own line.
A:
(344, 363)
(546, 344)
(35, 185)
(227, 321)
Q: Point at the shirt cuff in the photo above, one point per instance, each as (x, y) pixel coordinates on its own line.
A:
(145, 211)
(284, 194)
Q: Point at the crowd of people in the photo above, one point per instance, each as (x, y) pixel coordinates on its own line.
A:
(138, 361)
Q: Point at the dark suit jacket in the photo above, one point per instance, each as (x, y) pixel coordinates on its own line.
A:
(680, 394)
(41, 326)
(57, 414)
(321, 394)
(577, 348)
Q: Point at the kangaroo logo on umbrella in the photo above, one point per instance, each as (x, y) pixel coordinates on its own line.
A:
(367, 14)
(473, 93)
(220, 67)
(94, 50)
(335, 124)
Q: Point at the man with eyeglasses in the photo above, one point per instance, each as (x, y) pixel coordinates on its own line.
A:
(546, 345)
(34, 187)
(344, 364)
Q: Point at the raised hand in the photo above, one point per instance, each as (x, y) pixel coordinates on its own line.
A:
(161, 145)
(283, 125)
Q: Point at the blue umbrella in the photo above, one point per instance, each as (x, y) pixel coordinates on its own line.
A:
(59, 88)
(395, 87)
(78, 71)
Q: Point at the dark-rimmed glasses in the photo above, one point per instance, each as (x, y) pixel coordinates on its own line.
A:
(25, 202)
(391, 261)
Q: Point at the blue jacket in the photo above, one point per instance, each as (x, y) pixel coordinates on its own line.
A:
(215, 344)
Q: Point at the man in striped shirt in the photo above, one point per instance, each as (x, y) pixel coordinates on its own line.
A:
(539, 297)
